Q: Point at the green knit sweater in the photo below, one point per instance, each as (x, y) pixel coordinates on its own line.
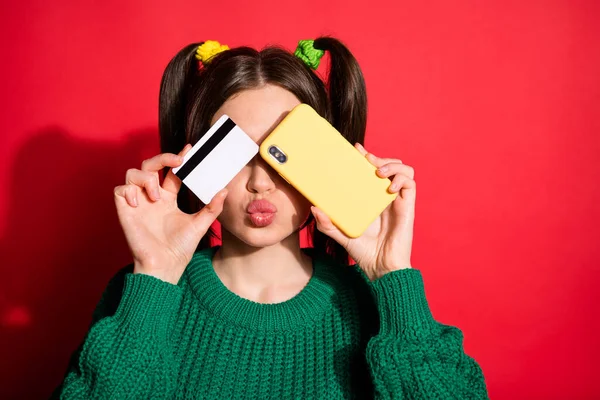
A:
(340, 337)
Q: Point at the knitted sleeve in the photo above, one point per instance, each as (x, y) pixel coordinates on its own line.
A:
(413, 356)
(126, 352)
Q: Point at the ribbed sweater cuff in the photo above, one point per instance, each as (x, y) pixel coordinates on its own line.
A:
(403, 307)
(148, 305)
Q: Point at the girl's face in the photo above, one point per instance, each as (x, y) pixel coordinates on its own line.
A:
(261, 209)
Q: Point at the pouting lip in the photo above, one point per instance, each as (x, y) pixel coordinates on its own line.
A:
(262, 220)
(261, 206)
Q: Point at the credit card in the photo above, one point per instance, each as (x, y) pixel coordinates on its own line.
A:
(216, 159)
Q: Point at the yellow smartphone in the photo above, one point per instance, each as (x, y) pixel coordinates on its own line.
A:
(310, 154)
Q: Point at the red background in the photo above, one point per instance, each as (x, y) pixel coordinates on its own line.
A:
(494, 103)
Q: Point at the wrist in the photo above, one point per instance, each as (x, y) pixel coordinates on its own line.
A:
(381, 272)
(168, 275)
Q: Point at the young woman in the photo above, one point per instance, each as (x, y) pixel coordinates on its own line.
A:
(259, 317)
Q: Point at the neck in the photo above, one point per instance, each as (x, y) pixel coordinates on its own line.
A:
(264, 274)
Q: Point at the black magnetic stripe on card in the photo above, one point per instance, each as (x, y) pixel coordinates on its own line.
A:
(206, 148)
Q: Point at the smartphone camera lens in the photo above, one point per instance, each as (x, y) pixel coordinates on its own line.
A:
(277, 154)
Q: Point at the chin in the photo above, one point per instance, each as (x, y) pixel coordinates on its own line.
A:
(260, 241)
(261, 237)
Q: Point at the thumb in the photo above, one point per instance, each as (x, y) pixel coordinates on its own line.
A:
(325, 225)
(171, 182)
(204, 218)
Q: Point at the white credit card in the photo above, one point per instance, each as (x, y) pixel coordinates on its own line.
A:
(216, 159)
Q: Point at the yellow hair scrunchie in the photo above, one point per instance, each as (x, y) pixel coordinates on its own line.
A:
(209, 49)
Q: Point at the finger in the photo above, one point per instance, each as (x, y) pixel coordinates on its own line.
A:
(160, 161)
(129, 193)
(365, 153)
(378, 161)
(395, 168)
(209, 213)
(146, 180)
(171, 182)
(397, 183)
(404, 186)
(360, 148)
(325, 225)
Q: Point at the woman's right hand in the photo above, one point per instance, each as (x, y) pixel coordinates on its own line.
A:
(161, 237)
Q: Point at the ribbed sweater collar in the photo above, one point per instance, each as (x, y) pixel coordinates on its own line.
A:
(300, 311)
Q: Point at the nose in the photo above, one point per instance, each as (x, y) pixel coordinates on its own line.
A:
(261, 179)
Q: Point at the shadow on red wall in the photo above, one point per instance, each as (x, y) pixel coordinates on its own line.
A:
(61, 245)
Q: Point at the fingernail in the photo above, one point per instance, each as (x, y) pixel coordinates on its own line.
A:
(157, 194)
(394, 187)
(135, 203)
(383, 169)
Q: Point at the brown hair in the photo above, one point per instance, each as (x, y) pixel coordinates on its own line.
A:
(190, 97)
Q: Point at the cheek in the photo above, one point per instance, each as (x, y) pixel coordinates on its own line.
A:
(236, 195)
(299, 202)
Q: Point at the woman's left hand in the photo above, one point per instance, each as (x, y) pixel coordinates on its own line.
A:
(387, 243)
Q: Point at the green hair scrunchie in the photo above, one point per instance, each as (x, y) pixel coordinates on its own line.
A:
(307, 53)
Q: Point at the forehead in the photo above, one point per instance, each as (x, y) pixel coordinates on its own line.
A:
(258, 111)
